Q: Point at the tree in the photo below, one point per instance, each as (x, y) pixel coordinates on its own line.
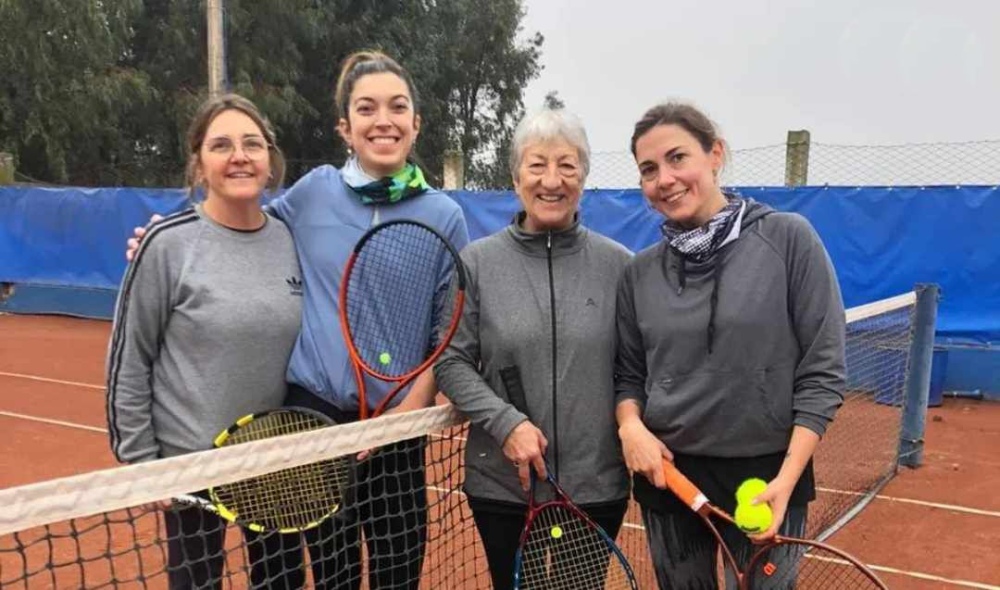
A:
(552, 101)
(67, 96)
(485, 69)
(103, 97)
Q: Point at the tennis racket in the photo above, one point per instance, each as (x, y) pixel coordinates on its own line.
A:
(285, 501)
(561, 548)
(400, 283)
(783, 562)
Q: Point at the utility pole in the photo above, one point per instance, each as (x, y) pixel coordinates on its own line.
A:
(216, 49)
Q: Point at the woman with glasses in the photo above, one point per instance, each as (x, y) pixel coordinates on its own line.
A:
(204, 325)
(327, 211)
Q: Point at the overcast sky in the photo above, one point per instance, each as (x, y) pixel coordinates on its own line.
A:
(850, 71)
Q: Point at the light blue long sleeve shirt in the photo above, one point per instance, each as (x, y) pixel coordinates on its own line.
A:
(326, 220)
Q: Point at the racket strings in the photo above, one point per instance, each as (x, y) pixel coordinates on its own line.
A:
(395, 297)
(562, 551)
(807, 567)
(289, 498)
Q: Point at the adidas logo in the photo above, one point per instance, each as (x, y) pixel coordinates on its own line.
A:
(591, 302)
(294, 285)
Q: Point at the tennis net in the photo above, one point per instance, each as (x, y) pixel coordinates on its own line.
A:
(108, 529)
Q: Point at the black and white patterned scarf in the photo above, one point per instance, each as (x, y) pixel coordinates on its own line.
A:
(701, 242)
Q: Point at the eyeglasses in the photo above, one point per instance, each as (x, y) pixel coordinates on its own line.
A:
(254, 148)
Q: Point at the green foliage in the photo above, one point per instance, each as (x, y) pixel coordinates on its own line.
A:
(68, 98)
(100, 92)
(552, 101)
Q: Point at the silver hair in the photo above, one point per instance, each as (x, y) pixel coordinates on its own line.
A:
(547, 125)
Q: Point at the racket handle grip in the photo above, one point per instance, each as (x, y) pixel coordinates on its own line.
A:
(191, 500)
(683, 488)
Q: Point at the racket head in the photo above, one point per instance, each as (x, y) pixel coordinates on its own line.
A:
(396, 290)
(562, 548)
(800, 563)
(288, 500)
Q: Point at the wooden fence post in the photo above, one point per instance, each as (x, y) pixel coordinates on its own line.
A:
(797, 158)
(6, 168)
(454, 170)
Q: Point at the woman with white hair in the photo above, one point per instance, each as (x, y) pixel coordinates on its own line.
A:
(541, 306)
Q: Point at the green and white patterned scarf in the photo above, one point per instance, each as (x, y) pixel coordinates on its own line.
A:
(407, 183)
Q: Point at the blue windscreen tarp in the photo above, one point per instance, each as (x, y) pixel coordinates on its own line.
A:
(883, 240)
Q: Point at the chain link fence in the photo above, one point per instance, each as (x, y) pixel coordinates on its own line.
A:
(962, 163)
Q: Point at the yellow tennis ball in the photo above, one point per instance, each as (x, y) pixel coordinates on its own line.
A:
(753, 518)
(556, 532)
(750, 489)
(385, 358)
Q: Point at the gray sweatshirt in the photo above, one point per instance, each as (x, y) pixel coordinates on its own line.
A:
(507, 321)
(205, 322)
(777, 333)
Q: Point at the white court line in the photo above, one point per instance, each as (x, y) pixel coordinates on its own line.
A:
(933, 578)
(951, 507)
(55, 422)
(47, 380)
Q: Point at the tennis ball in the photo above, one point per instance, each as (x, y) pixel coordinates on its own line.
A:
(385, 358)
(753, 518)
(750, 489)
(556, 532)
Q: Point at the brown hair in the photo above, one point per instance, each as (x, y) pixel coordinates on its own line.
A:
(212, 108)
(684, 116)
(360, 64)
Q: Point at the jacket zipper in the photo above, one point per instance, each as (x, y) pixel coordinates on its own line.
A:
(552, 310)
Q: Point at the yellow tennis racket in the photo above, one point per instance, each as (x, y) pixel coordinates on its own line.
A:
(289, 500)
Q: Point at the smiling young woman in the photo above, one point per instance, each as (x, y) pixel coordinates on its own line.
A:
(731, 347)
(327, 211)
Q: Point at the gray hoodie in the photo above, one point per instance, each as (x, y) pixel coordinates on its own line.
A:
(566, 366)
(726, 356)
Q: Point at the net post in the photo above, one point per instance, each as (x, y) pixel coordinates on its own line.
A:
(918, 377)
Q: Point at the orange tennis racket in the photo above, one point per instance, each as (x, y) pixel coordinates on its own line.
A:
(401, 299)
(782, 563)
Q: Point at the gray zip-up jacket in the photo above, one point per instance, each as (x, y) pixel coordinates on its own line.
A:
(726, 356)
(566, 365)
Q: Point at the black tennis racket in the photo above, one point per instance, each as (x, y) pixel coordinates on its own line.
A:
(401, 300)
(782, 563)
(289, 500)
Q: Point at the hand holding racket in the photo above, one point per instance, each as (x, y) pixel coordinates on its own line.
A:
(286, 501)
(403, 281)
(782, 562)
(526, 444)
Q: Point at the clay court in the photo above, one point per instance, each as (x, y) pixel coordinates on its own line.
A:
(931, 527)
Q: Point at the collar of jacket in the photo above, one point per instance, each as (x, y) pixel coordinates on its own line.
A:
(565, 241)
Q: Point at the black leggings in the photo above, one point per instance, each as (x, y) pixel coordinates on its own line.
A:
(500, 527)
(196, 555)
(390, 507)
(684, 550)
